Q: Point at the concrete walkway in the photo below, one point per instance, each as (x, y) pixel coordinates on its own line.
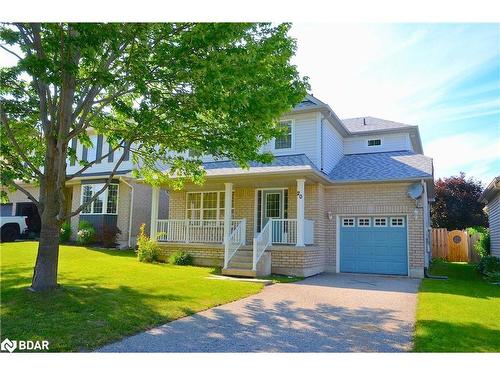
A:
(325, 313)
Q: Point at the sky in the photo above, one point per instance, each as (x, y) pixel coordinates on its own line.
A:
(445, 78)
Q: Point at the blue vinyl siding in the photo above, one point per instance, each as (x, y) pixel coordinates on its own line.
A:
(380, 250)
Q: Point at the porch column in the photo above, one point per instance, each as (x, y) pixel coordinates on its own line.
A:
(300, 211)
(155, 197)
(228, 201)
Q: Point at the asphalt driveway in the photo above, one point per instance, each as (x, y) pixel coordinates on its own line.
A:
(325, 313)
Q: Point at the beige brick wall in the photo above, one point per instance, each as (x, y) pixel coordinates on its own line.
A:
(297, 261)
(390, 198)
(203, 254)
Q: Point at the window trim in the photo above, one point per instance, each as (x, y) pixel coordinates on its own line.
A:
(364, 218)
(379, 225)
(104, 196)
(348, 226)
(396, 218)
(292, 143)
(374, 140)
(197, 222)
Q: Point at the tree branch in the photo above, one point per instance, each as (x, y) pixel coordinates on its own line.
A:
(26, 192)
(11, 52)
(10, 135)
(106, 184)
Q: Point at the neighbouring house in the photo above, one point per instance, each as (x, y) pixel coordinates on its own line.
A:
(125, 204)
(491, 198)
(341, 195)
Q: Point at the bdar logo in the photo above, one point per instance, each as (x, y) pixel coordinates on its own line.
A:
(8, 345)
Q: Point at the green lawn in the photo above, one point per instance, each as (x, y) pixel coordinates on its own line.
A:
(104, 296)
(461, 314)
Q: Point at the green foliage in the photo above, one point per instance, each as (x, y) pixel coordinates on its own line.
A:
(489, 266)
(180, 258)
(65, 234)
(482, 245)
(213, 88)
(86, 233)
(109, 235)
(457, 203)
(147, 249)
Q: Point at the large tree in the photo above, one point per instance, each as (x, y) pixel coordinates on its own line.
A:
(456, 205)
(155, 90)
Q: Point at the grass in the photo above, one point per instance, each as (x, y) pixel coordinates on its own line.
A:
(104, 296)
(282, 279)
(461, 314)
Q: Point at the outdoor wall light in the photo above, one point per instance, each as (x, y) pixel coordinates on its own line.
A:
(330, 215)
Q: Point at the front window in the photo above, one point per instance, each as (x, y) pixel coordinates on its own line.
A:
(105, 203)
(374, 142)
(206, 205)
(284, 141)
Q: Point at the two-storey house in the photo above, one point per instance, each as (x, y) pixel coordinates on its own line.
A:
(341, 195)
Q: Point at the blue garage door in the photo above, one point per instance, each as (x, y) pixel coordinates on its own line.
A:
(373, 244)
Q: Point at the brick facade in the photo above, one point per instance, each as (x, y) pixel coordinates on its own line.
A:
(352, 199)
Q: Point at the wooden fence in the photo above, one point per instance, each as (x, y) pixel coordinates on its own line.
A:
(454, 246)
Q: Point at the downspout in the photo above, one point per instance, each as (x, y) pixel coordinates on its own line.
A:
(129, 242)
(321, 144)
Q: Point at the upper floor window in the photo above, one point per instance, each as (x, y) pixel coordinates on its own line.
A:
(105, 203)
(285, 141)
(374, 142)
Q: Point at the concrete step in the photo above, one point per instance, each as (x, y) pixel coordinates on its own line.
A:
(242, 265)
(242, 258)
(238, 272)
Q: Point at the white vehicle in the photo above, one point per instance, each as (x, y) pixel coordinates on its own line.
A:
(11, 227)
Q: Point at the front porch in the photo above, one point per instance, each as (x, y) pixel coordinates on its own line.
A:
(243, 220)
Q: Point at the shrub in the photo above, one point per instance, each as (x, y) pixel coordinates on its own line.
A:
(86, 233)
(147, 249)
(181, 258)
(110, 235)
(489, 266)
(482, 245)
(65, 234)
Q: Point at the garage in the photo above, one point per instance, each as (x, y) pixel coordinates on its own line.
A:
(374, 244)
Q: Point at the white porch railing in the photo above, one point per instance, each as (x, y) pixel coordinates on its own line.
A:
(236, 239)
(261, 242)
(284, 231)
(197, 231)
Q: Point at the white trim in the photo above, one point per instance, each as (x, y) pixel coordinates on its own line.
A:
(364, 218)
(375, 218)
(218, 208)
(256, 203)
(374, 139)
(337, 240)
(292, 129)
(104, 196)
(131, 211)
(319, 140)
(396, 218)
(349, 218)
(337, 244)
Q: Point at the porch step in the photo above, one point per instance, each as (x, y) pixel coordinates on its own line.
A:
(239, 272)
(242, 265)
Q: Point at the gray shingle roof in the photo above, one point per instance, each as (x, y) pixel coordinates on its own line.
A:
(279, 163)
(368, 124)
(383, 166)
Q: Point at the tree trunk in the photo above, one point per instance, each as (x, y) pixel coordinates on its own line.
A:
(45, 275)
